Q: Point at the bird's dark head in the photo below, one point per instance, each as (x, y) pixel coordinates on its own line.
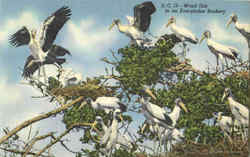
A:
(233, 18)
(215, 114)
(89, 101)
(206, 34)
(171, 21)
(180, 103)
(227, 92)
(98, 119)
(115, 22)
(117, 115)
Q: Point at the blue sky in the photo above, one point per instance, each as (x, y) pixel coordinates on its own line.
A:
(86, 35)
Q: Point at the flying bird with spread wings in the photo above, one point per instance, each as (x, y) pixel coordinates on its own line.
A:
(40, 43)
(138, 24)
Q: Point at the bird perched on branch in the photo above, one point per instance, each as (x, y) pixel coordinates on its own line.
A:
(239, 111)
(159, 115)
(137, 24)
(182, 33)
(122, 140)
(68, 77)
(40, 42)
(220, 51)
(225, 123)
(108, 104)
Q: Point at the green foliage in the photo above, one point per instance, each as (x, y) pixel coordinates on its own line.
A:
(139, 67)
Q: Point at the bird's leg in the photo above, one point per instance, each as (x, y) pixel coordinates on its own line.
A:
(39, 72)
(184, 49)
(226, 62)
(44, 74)
(217, 61)
(143, 127)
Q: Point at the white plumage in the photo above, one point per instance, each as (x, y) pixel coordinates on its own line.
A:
(225, 123)
(182, 33)
(159, 115)
(220, 51)
(244, 29)
(40, 42)
(137, 24)
(110, 136)
(107, 104)
(122, 140)
(240, 111)
(69, 77)
(131, 20)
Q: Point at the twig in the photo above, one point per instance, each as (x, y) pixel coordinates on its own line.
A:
(38, 118)
(27, 150)
(59, 138)
(20, 152)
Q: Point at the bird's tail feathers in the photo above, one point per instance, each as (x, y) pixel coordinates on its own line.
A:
(123, 107)
(235, 52)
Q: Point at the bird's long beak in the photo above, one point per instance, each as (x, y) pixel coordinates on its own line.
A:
(150, 93)
(219, 117)
(111, 26)
(169, 22)
(229, 22)
(202, 38)
(183, 106)
(93, 125)
(120, 115)
(143, 128)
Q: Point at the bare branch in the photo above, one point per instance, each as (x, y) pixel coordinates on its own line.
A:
(20, 152)
(27, 150)
(38, 118)
(60, 137)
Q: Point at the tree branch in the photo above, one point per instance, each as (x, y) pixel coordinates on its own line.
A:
(38, 118)
(60, 137)
(27, 150)
(184, 67)
(20, 152)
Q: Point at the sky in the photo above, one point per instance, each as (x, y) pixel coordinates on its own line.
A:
(87, 37)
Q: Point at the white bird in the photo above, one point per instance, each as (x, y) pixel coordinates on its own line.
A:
(107, 104)
(244, 29)
(219, 50)
(169, 136)
(239, 111)
(182, 33)
(68, 77)
(41, 44)
(137, 24)
(159, 115)
(225, 123)
(131, 20)
(122, 139)
(111, 134)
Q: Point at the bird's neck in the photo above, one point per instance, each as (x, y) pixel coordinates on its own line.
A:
(173, 26)
(174, 115)
(237, 24)
(104, 127)
(122, 28)
(114, 124)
